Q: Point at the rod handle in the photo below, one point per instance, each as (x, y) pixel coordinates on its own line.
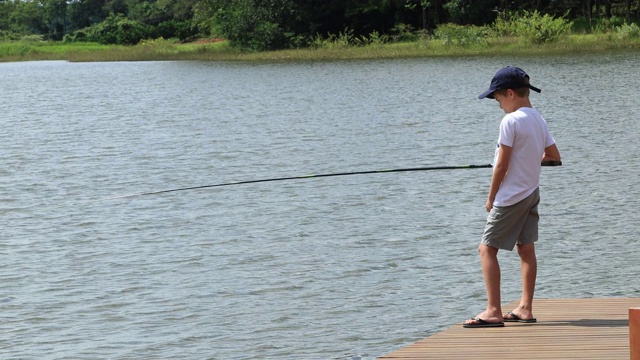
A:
(552, 163)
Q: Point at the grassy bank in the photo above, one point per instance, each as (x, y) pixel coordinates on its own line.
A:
(159, 50)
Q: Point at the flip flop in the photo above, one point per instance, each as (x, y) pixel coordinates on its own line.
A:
(480, 323)
(515, 318)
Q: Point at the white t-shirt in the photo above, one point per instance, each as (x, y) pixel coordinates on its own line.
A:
(526, 132)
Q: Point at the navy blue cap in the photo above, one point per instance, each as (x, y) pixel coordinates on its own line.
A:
(509, 77)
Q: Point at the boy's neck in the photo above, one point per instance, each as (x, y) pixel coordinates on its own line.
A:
(524, 102)
(520, 102)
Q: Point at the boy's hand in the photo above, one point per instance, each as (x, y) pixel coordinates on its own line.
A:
(488, 205)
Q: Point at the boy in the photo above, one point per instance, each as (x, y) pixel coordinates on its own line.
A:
(524, 143)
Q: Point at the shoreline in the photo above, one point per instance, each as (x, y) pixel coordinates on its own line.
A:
(165, 50)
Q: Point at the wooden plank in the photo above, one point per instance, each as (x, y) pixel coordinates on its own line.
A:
(634, 333)
(566, 328)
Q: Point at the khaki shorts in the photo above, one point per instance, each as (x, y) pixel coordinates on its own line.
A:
(511, 225)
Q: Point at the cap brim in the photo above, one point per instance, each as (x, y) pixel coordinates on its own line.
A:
(487, 94)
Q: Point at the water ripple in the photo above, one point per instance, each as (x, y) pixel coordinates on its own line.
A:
(333, 268)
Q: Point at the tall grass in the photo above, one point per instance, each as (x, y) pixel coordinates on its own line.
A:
(36, 49)
(159, 49)
(451, 34)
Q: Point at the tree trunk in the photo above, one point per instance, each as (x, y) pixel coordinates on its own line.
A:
(607, 9)
(424, 17)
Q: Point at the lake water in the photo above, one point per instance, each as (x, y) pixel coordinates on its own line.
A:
(349, 267)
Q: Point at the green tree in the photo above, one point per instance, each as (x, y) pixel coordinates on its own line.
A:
(255, 24)
(55, 15)
(178, 10)
(117, 29)
(84, 13)
(170, 18)
(115, 7)
(6, 9)
(463, 12)
(28, 18)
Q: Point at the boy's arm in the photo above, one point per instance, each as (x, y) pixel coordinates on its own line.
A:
(499, 171)
(551, 153)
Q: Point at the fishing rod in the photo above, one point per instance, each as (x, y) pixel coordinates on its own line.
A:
(311, 176)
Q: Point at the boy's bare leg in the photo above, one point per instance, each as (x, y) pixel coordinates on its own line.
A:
(529, 266)
(491, 273)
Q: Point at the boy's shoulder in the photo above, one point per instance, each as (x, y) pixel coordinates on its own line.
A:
(524, 112)
(522, 115)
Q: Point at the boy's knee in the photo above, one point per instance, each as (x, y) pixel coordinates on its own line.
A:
(484, 249)
(526, 250)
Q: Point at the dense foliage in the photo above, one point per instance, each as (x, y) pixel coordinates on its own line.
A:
(278, 24)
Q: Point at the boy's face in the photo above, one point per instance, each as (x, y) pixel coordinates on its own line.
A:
(506, 100)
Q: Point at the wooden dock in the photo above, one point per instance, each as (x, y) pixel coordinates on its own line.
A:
(566, 329)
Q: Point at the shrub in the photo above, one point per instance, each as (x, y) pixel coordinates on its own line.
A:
(77, 36)
(267, 36)
(80, 36)
(375, 38)
(32, 38)
(532, 26)
(117, 29)
(403, 32)
(344, 39)
(183, 30)
(9, 35)
(597, 25)
(296, 41)
(130, 32)
(628, 31)
(616, 21)
(450, 34)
